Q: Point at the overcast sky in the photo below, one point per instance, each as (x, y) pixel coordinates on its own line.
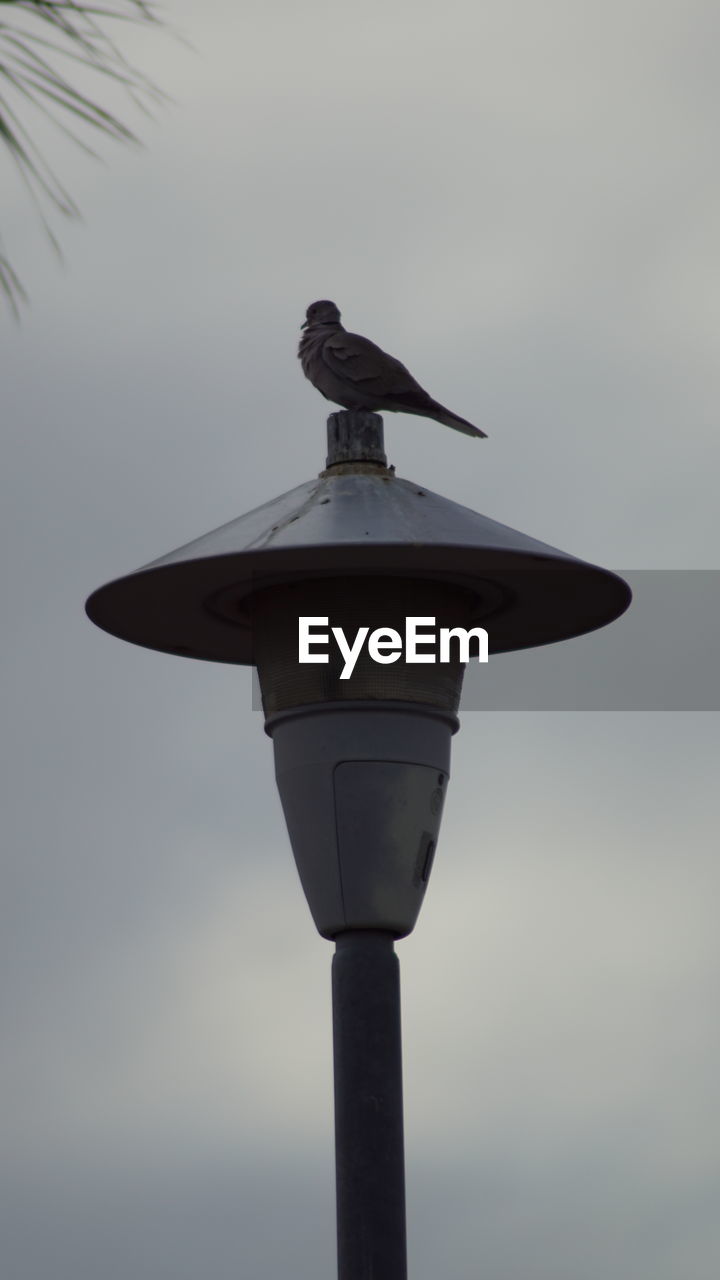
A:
(520, 201)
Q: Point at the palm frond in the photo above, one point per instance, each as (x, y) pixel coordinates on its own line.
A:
(11, 286)
(34, 60)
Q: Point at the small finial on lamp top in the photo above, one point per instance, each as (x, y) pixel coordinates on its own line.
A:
(355, 435)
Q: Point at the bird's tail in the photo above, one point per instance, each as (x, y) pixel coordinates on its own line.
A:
(452, 420)
(415, 400)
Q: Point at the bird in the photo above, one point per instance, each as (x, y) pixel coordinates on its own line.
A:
(353, 372)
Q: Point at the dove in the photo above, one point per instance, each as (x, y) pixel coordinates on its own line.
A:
(352, 371)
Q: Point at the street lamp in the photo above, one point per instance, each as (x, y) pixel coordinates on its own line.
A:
(362, 759)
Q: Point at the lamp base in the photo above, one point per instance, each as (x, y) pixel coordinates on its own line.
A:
(362, 787)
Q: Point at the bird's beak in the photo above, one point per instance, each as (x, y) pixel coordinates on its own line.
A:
(304, 324)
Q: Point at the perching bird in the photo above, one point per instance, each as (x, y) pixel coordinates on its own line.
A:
(353, 372)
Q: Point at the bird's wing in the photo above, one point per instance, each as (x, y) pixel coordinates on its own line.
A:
(358, 360)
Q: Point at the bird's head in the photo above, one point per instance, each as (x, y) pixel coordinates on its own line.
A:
(321, 313)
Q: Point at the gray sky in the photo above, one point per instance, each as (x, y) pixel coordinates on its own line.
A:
(521, 202)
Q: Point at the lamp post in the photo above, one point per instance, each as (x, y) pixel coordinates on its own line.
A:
(362, 760)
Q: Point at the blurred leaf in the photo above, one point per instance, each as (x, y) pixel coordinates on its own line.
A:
(40, 40)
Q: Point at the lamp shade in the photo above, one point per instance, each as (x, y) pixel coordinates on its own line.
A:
(197, 600)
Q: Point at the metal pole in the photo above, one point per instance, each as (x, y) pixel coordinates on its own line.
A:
(369, 1160)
